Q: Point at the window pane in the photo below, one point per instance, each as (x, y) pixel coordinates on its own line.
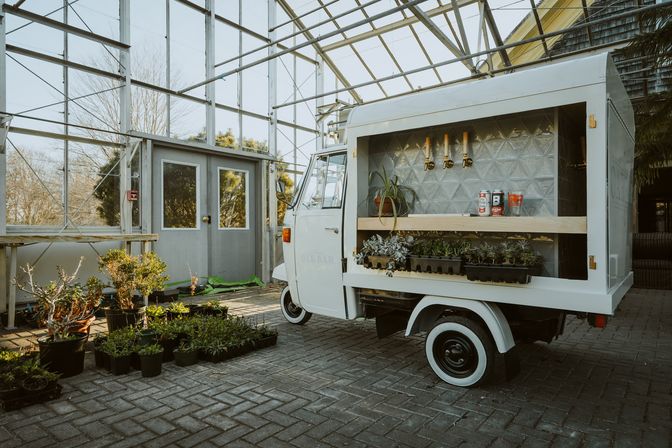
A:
(232, 199)
(333, 191)
(180, 196)
(314, 192)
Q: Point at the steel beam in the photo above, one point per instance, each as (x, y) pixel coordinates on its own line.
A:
(64, 27)
(4, 276)
(394, 26)
(540, 28)
(168, 99)
(126, 210)
(572, 28)
(496, 36)
(460, 25)
(324, 58)
(210, 126)
(67, 137)
(269, 200)
(66, 119)
(301, 16)
(436, 31)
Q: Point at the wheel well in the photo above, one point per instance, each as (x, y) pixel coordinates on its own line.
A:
(488, 315)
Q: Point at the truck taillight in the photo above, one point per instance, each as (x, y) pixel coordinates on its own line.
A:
(286, 234)
(597, 320)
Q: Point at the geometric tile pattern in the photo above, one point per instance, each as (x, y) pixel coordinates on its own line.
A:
(513, 153)
(333, 383)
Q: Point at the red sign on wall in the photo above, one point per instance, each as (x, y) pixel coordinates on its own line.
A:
(132, 195)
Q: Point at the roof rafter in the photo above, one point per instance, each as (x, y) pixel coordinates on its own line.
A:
(440, 35)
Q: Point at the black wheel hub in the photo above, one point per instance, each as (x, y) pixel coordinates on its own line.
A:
(292, 310)
(455, 354)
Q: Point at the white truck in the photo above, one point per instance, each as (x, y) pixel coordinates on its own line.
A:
(562, 134)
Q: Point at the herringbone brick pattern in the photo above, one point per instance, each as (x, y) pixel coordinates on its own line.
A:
(334, 384)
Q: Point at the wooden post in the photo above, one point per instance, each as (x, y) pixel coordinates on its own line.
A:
(12, 288)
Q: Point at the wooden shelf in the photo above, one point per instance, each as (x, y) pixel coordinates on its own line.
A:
(524, 224)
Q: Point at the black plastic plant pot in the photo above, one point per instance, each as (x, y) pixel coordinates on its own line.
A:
(102, 359)
(498, 273)
(64, 357)
(437, 265)
(267, 341)
(135, 361)
(185, 358)
(147, 337)
(168, 347)
(120, 365)
(151, 365)
(118, 319)
(212, 357)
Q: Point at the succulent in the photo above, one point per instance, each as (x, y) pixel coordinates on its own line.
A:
(396, 248)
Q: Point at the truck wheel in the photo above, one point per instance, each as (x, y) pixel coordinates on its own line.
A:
(460, 351)
(293, 313)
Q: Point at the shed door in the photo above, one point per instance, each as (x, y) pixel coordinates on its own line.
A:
(233, 245)
(179, 202)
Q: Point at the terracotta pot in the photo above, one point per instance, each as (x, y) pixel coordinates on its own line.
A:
(387, 206)
(83, 326)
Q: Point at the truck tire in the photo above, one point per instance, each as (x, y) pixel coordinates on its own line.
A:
(460, 351)
(292, 312)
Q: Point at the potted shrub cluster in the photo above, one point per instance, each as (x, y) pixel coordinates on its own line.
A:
(130, 273)
(24, 382)
(438, 255)
(67, 308)
(504, 262)
(388, 253)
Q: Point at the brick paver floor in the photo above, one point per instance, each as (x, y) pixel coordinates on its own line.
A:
(333, 383)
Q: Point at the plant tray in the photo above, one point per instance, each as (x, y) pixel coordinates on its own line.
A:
(376, 262)
(499, 273)
(29, 398)
(268, 341)
(436, 265)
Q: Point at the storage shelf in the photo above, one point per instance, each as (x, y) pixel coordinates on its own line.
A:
(525, 224)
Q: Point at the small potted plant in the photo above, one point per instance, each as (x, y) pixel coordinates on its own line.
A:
(437, 255)
(185, 354)
(391, 198)
(155, 312)
(266, 336)
(167, 337)
(389, 253)
(9, 386)
(35, 379)
(213, 308)
(128, 274)
(64, 305)
(120, 346)
(505, 262)
(101, 358)
(151, 358)
(177, 310)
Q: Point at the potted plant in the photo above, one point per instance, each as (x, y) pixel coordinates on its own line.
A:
(9, 386)
(505, 262)
(101, 358)
(437, 255)
(185, 354)
(129, 273)
(155, 312)
(389, 253)
(391, 198)
(167, 337)
(119, 347)
(266, 336)
(65, 306)
(151, 357)
(35, 379)
(213, 308)
(177, 310)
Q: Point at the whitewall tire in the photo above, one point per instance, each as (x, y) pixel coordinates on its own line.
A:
(292, 312)
(460, 351)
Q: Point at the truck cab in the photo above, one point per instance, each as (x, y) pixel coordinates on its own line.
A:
(562, 133)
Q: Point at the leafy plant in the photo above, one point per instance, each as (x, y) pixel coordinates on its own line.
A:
(63, 304)
(152, 349)
(393, 191)
(120, 342)
(155, 312)
(185, 347)
(129, 273)
(214, 305)
(178, 308)
(396, 248)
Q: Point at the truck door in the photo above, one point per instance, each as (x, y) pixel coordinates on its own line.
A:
(318, 237)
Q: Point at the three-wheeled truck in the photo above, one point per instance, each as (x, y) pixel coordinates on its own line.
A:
(560, 134)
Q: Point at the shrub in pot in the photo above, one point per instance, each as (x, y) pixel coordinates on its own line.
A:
(265, 336)
(129, 273)
(167, 337)
(102, 359)
(34, 378)
(177, 310)
(66, 307)
(120, 346)
(185, 354)
(155, 312)
(213, 308)
(9, 386)
(151, 358)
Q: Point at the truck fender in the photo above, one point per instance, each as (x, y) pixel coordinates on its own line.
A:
(280, 273)
(428, 310)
